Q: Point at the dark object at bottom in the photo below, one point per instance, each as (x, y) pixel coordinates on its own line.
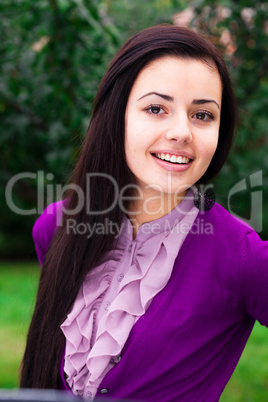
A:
(42, 395)
(36, 395)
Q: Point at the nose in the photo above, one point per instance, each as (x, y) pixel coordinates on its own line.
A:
(179, 129)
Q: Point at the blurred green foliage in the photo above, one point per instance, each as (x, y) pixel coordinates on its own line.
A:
(53, 55)
(241, 32)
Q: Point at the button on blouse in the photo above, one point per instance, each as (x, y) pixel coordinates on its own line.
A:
(117, 292)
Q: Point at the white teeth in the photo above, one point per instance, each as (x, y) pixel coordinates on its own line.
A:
(173, 158)
(182, 159)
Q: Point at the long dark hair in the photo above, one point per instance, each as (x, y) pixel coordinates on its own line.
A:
(70, 256)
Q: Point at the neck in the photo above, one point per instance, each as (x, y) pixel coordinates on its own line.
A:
(149, 209)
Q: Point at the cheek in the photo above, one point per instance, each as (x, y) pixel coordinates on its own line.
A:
(213, 145)
(215, 142)
(208, 149)
(137, 141)
(131, 151)
(131, 145)
(139, 133)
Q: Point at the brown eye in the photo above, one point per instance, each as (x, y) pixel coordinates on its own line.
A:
(204, 116)
(155, 109)
(201, 116)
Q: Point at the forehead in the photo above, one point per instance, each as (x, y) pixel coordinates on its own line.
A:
(180, 77)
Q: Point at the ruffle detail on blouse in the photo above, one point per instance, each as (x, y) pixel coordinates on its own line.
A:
(147, 265)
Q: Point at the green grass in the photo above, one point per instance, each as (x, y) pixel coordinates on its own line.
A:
(249, 382)
(18, 284)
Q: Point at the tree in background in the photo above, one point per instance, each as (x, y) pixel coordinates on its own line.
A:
(53, 55)
(241, 32)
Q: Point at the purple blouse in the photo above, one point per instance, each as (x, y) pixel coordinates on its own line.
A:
(119, 291)
(187, 344)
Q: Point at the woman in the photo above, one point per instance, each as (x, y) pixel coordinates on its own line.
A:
(148, 291)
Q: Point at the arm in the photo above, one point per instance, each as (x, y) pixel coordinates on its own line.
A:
(45, 227)
(254, 275)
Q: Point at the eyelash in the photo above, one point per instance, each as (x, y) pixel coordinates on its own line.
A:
(206, 113)
(149, 109)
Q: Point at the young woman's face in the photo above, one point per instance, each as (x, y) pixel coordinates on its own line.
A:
(172, 124)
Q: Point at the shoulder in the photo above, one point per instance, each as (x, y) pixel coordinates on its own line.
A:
(238, 235)
(45, 227)
(225, 239)
(246, 255)
(225, 225)
(230, 252)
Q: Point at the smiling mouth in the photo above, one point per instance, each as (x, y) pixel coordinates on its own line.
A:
(176, 160)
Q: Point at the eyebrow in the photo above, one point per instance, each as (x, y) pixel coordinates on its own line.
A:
(166, 97)
(202, 101)
(171, 99)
